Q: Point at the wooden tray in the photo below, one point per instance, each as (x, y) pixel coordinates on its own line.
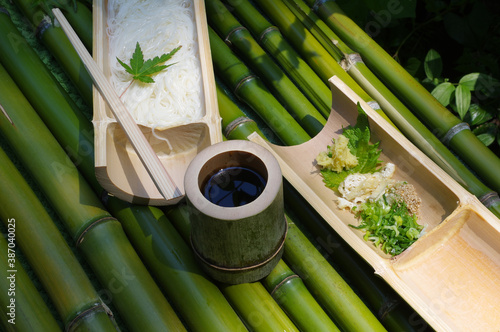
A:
(451, 275)
(118, 167)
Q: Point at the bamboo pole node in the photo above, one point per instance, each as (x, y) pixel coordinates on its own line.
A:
(243, 81)
(453, 131)
(44, 24)
(319, 3)
(490, 199)
(89, 227)
(266, 31)
(73, 324)
(5, 11)
(235, 123)
(282, 282)
(227, 40)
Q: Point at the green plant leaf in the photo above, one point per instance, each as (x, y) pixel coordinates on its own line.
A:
(433, 64)
(486, 133)
(142, 70)
(477, 115)
(412, 66)
(462, 99)
(443, 93)
(359, 145)
(485, 85)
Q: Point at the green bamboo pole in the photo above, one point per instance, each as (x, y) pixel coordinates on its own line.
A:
(258, 308)
(311, 49)
(274, 43)
(80, 17)
(253, 303)
(253, 92)
(479, 157)
(49, 255)
(239, 38)
(399, 114)
(28, 309)
(348, 311)
(289, 291)
(56, 41)
(197, 299)
(46, 95)
(235, 123)
(100, 237)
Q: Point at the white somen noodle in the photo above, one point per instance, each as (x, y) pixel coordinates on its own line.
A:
(159, 26)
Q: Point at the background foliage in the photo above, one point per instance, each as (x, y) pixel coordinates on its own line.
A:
(452, 47)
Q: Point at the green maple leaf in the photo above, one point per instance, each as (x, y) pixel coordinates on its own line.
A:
(359, 145)
(142, 70)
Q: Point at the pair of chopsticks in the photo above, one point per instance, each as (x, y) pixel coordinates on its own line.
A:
(148, 157)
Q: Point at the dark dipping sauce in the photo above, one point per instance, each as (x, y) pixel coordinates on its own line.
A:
(234, 186)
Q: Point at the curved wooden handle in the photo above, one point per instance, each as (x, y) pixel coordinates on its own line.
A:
(155, 168)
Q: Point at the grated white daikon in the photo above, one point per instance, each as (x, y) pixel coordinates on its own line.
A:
(159, 26)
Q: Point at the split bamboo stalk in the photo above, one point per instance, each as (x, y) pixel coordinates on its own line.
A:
(373, 289)
(271, 39)
(252, 91)
(55, 40)
(45, 94)
(100, 237)
(55, 265)
(465, 144)
(402, 117)
(30, 309)
(326, 274)
(240, 39)
(392, 311)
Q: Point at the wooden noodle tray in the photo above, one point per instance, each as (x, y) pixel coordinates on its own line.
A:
(118, 167)
(451, 274)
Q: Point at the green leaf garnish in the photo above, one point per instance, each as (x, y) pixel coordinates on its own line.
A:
(389, 226)
(142, 70)
(359, 145)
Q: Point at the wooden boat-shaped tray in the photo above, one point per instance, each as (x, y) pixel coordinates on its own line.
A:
(118, 167)
(451, 274)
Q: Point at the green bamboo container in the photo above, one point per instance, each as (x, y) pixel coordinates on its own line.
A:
(99, 236)
(50, 256)
(29, 309)
(478, 156)
(253, 92)
(252, 302)
(240, 39)
(55, 40)
(292, 295)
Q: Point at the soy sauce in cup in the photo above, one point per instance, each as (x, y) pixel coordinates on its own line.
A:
(234, 186)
